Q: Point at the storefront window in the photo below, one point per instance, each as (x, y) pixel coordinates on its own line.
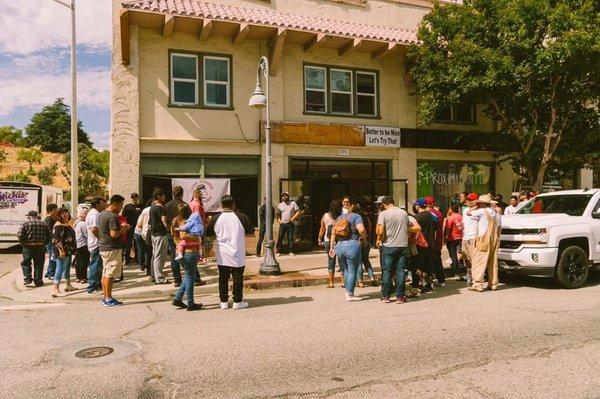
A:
(445, 180)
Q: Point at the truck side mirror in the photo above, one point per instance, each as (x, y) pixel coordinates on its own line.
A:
(596, 215)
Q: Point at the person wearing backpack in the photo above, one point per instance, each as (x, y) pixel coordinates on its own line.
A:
(335, 210)
(486, 244)
(346, 233)
(453, 230)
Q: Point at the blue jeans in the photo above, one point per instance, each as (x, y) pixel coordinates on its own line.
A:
(190, 265)
(175, 266)
(94, 271)
(330, 260)
(141, 250)
(392, 259)
(63, 266)
(348, 254)
(51, 262)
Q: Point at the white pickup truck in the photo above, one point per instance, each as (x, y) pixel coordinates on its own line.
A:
(553, 235)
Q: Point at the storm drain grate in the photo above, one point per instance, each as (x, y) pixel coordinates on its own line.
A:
(96, 351)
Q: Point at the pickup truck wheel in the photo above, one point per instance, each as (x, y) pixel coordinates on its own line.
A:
(572, 270)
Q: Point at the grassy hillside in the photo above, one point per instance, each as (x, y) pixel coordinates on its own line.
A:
(12, 166)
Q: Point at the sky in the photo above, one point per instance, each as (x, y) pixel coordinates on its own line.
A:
(35, 51)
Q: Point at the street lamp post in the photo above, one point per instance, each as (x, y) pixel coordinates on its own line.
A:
(259, 100)
(74, 149)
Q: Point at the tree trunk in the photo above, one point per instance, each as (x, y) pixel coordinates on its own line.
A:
(539, 179)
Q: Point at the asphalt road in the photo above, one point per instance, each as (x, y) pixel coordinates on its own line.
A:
(527, 340)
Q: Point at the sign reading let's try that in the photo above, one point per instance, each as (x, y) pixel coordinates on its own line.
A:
(381, 136)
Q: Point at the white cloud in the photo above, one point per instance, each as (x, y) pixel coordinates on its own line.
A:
(34, 87)
(29, 26)
(100, 140)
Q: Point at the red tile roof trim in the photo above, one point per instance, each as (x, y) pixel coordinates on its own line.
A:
(269, 17)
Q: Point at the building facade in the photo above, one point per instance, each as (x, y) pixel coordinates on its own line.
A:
(343, 114)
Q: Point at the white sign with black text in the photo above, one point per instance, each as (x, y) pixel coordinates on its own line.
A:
(381, 136)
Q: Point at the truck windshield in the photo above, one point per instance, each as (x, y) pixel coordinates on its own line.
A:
(572, 205)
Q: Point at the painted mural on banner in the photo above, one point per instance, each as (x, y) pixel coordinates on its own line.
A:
(15, 203)
(212, 190)
(380, 136)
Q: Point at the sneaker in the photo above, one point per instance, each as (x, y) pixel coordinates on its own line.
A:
(385, 299)
(179, 303)
(352, 298)
(292, 254)
(178, 256)
(199, 283)
(114, 302)
(224, 305)
(401, 299)
(161, 281)
(194, 306)
(442, 284)
(240, 305)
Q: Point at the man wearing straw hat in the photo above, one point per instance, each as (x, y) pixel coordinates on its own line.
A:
(486, 245)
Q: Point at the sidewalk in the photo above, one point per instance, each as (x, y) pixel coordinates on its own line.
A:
(297, 271)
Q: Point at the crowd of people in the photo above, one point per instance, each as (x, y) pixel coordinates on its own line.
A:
(100, 242)
(412, 242)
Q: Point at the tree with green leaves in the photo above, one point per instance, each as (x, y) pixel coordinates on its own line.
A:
(31, 156)
(93, 170)
(11, 134)
(3, 155)
(531, 64)
(46, 174)
(51, 129)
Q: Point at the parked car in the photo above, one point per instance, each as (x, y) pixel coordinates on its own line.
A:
(555, 235)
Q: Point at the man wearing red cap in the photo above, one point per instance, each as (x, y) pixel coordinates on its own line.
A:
(469, 235)
(439, 240)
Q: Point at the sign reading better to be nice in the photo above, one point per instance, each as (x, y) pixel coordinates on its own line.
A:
(379, 136)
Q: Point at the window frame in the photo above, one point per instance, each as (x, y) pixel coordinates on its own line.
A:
(374, 95)
(173, 80)
(206, 82)
(453, 120)
(324, 90)
(354, 98)
(201, 85)
(351, 92)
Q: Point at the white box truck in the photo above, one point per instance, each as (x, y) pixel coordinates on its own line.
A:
(16, 200)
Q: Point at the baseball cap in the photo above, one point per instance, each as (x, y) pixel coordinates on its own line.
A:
(472, 196)
(429, 200)
(421, 202)
(379, 199)
(32, 214)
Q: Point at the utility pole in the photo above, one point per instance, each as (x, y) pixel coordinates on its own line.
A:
(74, 143)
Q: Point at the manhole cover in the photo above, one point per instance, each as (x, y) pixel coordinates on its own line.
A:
(97, 351)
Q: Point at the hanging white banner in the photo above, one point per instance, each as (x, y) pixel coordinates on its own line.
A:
(212, 191)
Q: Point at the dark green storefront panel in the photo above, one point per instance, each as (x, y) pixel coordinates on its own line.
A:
(157, 165)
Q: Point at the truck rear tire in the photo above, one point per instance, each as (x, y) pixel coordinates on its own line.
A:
(572, 269)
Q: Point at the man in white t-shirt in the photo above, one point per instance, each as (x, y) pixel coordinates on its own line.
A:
(513, 207)
(95, 266)
(230, 228)
(287, 213)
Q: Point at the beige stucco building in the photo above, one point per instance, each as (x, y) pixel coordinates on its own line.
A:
(183, 72)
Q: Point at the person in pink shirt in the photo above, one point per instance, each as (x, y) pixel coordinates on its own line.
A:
(453, 230)
(196, 204)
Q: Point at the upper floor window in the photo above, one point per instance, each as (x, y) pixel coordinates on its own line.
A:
(340, 91)
(464, 113)
(200, 80)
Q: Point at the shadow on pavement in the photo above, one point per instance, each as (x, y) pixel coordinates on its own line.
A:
(260, 302)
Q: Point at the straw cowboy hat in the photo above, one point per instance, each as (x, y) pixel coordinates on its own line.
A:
(484, 199)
